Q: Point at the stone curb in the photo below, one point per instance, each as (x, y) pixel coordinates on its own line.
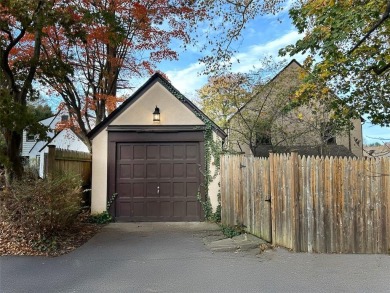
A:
(243, 242)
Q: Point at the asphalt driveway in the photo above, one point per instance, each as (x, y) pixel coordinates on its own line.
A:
(172, 258)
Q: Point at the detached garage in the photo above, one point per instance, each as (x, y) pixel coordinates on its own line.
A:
(149, 154)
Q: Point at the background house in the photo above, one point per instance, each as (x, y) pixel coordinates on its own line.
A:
(378, 151)
(150, 157)
(272, 120)
(34, 150)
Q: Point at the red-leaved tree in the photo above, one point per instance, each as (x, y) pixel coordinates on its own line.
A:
(102, 44)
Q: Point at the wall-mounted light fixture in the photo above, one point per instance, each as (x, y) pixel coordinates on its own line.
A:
(156, 115)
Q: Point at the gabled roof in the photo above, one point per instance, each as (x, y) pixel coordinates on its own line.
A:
(156, 77)
(49, 121)
(57, 134)
(306, 150)
(50, 140)
(273, 79)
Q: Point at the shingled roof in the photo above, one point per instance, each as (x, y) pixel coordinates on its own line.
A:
(303, 150)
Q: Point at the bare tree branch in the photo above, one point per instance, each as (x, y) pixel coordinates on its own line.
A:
(384, 17)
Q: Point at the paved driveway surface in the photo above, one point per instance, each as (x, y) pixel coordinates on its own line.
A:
(173, 258)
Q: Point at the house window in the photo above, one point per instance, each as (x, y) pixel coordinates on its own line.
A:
(263, 138)
(30, 137)
(327, 133)
(64, 118)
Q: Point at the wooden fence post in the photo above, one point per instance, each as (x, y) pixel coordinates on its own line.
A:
(51, 160)
(273, 195)
(386, 188)
(294, 181)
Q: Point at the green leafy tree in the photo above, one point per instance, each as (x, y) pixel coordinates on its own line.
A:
(19, 20)
(348, 49)
(223, 95)
(40, 112)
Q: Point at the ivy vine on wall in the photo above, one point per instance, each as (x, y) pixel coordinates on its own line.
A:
(213, 150)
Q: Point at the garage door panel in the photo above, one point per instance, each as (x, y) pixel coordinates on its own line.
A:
(124, 208)
(152, 152)
(138, 209)
(178, 170)
(166, 209)
(192, 170)
(192, 189)
(152, 171)
(124, 190)
(192, 208)
(124, 171)
(192, 151)
(165, 170)
(178, 152)
(166, 152)
(152, 209)
(139, 152)
(165, 189)
(138, 189)
(178, 189)
(151, 189)
(126, 152)
(179, 209)
(138, 171)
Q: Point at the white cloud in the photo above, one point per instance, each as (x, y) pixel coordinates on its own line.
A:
(187, 80)
(287, 5)
(249, 58)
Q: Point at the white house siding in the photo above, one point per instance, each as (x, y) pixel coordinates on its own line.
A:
(66, 140)
(30, 149)
(26, 145)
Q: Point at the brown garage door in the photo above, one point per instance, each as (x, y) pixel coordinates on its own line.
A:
(157, 181)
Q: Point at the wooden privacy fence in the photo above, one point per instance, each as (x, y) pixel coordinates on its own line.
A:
(318, 204)
(245, 199)
(66, 161)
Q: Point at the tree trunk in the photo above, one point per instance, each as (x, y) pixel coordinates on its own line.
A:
(14, 168)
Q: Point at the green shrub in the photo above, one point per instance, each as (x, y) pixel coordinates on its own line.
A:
(102, 218)
(217, 215)
(42, 207)
(230, 231)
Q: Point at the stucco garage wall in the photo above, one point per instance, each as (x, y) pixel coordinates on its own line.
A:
(99, 172)
(214, 187)
(173, 112)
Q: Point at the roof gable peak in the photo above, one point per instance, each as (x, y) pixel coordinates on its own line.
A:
(160, 78)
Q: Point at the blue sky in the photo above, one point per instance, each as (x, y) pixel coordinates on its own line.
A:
(263, 36)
